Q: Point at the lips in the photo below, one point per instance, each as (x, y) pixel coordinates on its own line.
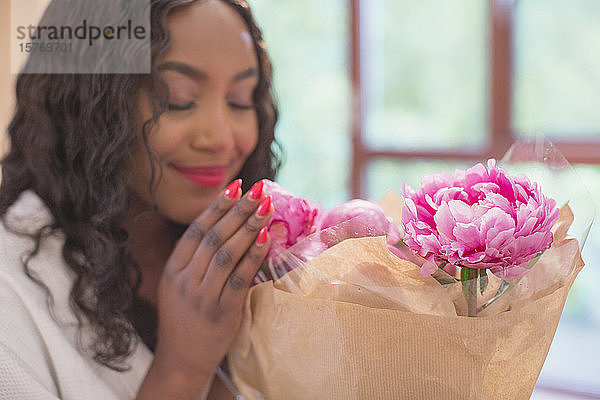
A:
(211, 176)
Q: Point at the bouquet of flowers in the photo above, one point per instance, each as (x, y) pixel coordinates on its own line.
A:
(452, 291)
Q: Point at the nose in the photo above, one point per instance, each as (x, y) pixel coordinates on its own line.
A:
(212, 130)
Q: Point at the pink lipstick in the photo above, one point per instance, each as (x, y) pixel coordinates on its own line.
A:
(212, 176)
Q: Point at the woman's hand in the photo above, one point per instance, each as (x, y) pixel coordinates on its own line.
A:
(202, 292)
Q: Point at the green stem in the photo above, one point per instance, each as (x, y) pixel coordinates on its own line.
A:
(468, 276)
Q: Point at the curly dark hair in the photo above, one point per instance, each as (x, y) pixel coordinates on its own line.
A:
(71, 138)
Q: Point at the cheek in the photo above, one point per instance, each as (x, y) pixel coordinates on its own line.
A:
(138, 174)
(165, 139)
(161, 146)
(247, 138)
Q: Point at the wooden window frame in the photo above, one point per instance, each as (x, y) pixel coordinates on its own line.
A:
(500, 133)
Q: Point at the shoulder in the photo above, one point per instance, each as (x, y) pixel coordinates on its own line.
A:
(22, 348)
(27, 216)
(27, 331)
(40, 358)
(39, 333)
(35, 286)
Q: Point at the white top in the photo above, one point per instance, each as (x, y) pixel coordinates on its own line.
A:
(39, 357)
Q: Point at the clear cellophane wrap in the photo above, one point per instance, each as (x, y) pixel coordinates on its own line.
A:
(351, 320)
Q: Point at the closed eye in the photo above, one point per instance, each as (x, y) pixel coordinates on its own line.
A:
(241, 106)
(181, 107)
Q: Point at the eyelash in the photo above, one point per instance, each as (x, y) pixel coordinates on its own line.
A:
(176, 107)
(242, 106)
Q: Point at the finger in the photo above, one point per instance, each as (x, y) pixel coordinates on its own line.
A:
(196, 232)
(238, 282)
(229, 255)
(216, 237)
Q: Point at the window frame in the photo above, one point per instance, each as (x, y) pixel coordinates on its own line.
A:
(500, 133)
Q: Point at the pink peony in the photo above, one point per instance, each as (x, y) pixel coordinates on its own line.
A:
(479, 218)
(368, 217)
(292, 220)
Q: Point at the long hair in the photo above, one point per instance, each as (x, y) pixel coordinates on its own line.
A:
(71, 138)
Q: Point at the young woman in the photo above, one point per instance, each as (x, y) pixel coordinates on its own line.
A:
(128, 245)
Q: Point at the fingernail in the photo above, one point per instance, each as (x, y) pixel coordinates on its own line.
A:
(264, 207)
(262, 236)
(233, 189)
(256, 191)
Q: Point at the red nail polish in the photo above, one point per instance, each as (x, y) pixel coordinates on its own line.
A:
(233, 188)
(256, 191)
(264, 207)
(262, 236)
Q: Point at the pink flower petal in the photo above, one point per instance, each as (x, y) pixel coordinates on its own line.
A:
(481, 217)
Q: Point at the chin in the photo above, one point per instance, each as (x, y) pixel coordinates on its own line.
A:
(182, 215)
(181, 219)
(184, 211)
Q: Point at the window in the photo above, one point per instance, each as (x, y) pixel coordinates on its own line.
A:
(307, 41)
(438, 85)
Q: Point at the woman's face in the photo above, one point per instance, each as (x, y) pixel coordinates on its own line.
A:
(211, 127)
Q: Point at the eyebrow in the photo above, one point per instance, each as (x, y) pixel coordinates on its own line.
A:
(194, 73)
(245, 74)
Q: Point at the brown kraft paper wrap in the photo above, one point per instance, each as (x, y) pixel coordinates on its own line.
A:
(358, 323)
